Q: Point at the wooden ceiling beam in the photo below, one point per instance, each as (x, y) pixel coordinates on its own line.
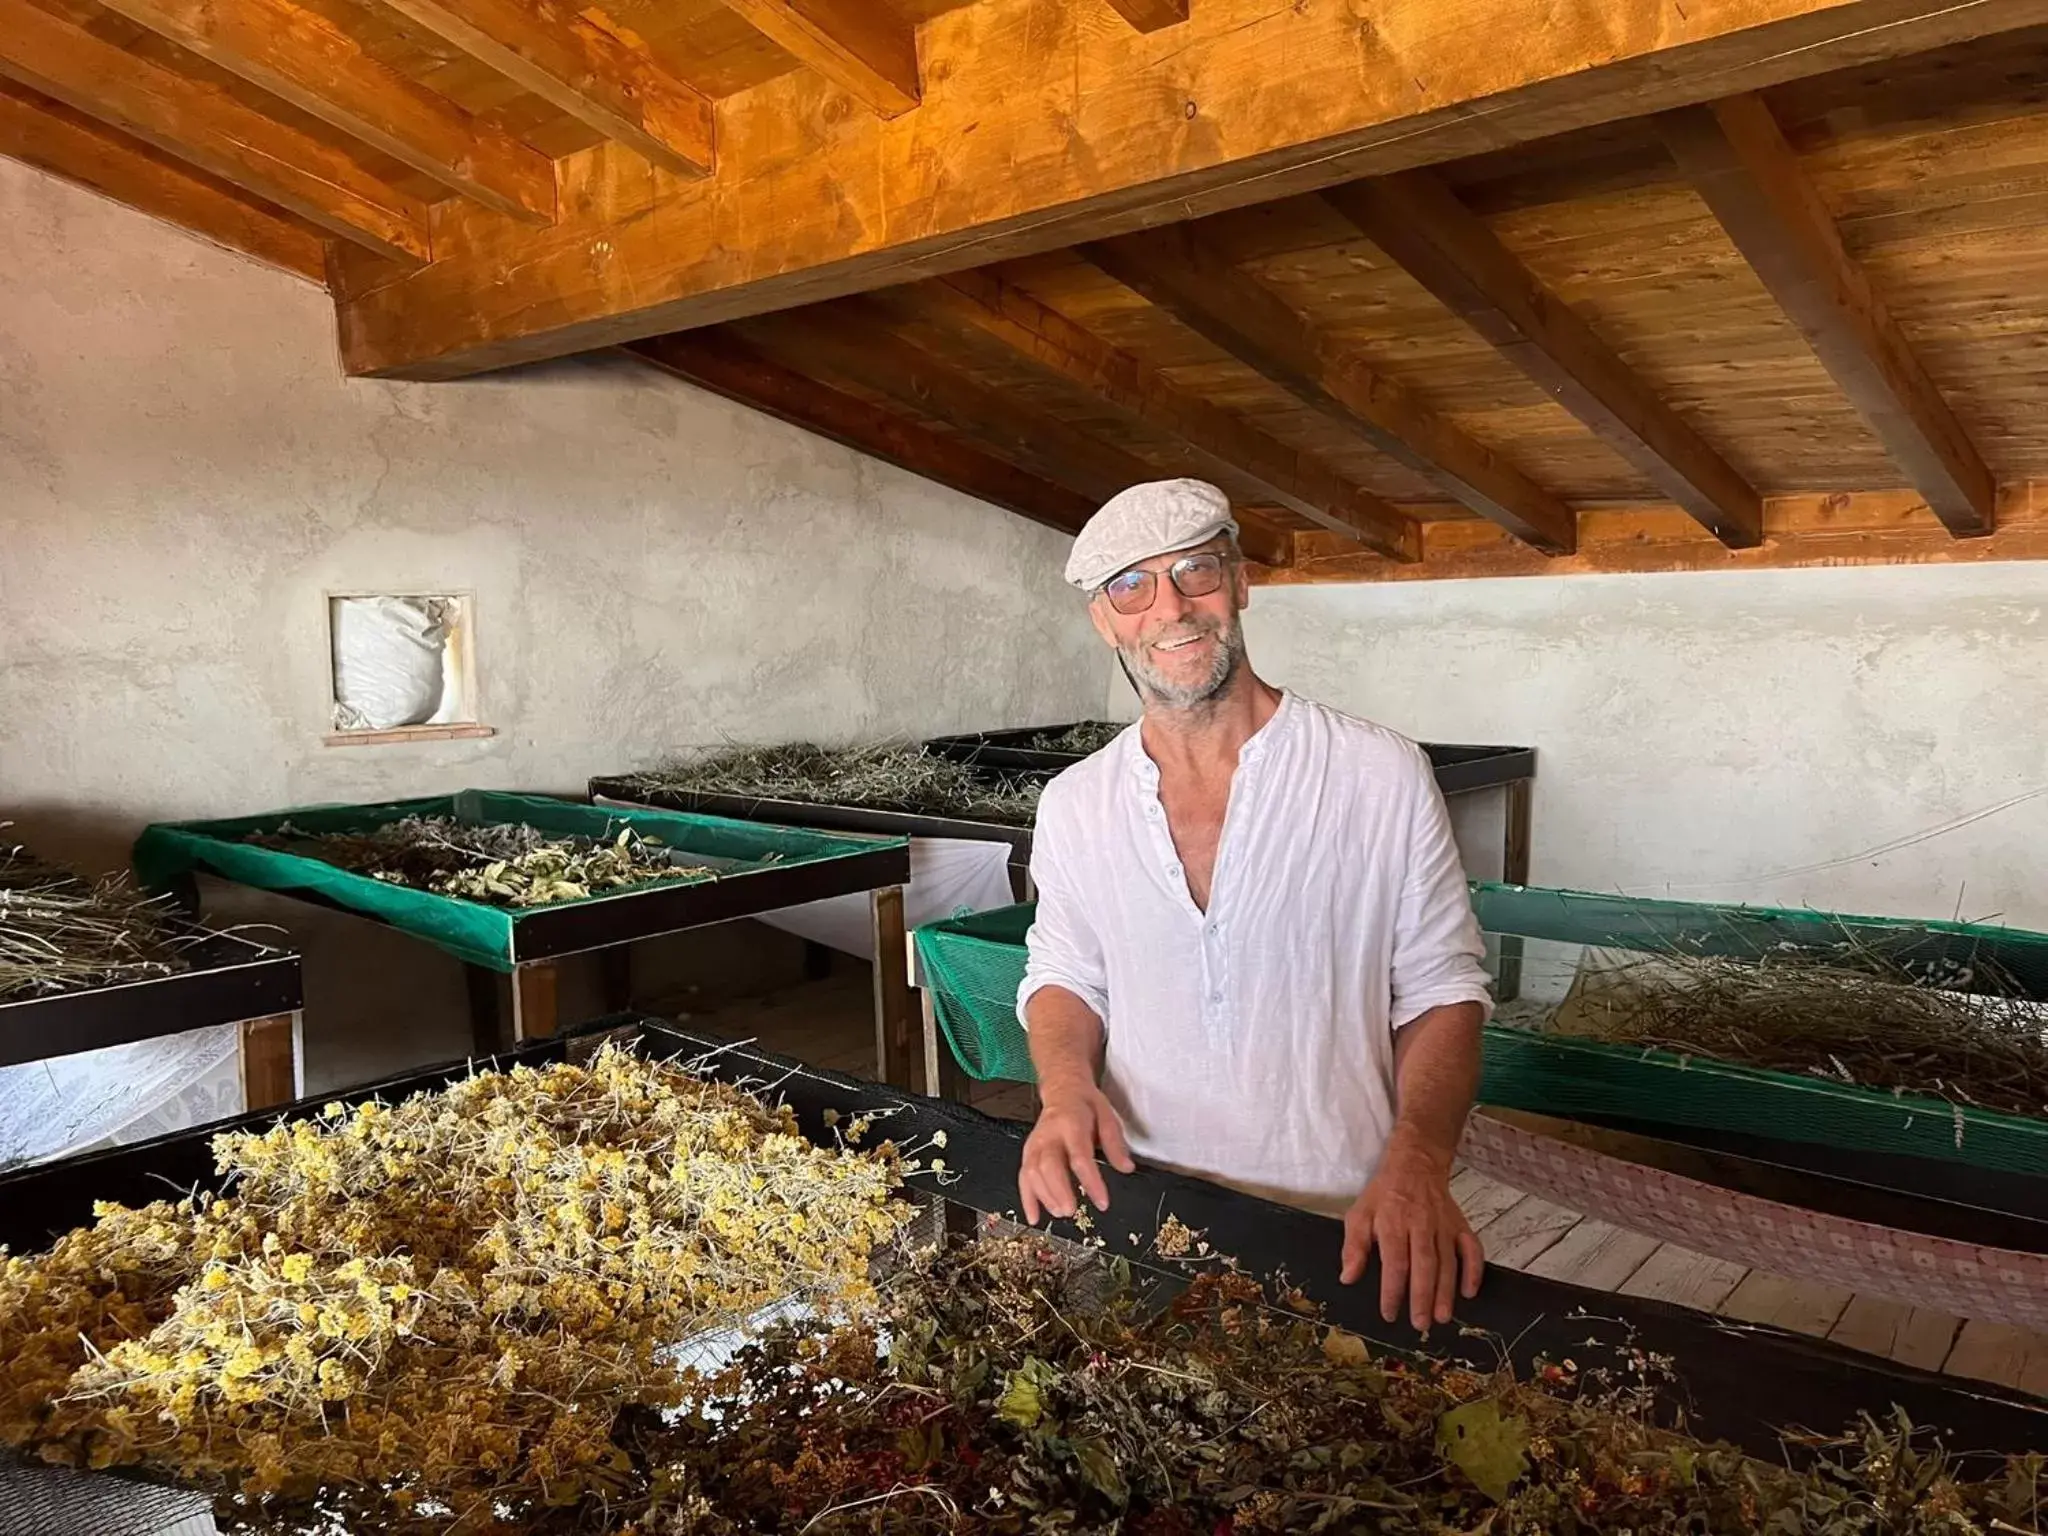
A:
(1181, 272)
(613, 87)
(855, 342)
(1738, 160)
(1048, 132)
(52, 137)
(979, 308)
(201, 123)
(861, 46)
(300, 56)
(1452, 252)
(1825, 528)
(721, 362)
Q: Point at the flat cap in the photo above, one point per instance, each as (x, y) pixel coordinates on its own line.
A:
(1155, 518)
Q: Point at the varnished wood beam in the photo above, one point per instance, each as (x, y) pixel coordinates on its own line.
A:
(1178, 270)
(854, 341)
(978, 310)
(1420, 223)
(1053, 128)
(861, 46)
(720, 362)
(300, 56)
(1151, 15)
(548, 48)
(1893, 527)
(52, 137)
(1739, 161)
(203, 124)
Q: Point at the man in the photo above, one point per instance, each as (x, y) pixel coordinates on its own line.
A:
(1254, 957)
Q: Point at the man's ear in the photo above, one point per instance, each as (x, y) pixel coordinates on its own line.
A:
(1241, 583)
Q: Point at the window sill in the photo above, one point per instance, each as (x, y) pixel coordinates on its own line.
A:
(467, 732)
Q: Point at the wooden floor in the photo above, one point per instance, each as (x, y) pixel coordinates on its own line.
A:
(830, 1022)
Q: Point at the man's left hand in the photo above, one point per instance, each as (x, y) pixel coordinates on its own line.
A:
(1424, 1241)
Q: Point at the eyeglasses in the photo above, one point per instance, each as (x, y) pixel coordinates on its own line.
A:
(1133, 591)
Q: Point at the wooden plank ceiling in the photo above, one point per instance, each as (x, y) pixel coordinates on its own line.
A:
(1768, 288)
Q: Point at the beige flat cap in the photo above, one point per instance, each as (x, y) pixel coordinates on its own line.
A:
(1155, 518)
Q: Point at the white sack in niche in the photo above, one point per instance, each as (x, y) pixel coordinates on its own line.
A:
(387, 661)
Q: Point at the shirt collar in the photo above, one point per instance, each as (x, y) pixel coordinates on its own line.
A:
(1256, 745)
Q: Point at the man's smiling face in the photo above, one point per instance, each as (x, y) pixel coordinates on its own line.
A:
(1182, 651)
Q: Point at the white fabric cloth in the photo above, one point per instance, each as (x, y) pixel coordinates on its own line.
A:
(118, 1094)
(949, 877)
(1155, 518)
(1254, 1044)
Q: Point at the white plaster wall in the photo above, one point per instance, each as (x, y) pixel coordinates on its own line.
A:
(184, 473)
(1863, 740)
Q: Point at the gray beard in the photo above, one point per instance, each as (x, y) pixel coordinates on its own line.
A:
(1156, 689)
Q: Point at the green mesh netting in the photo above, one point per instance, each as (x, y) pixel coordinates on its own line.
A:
(973, 967)
(469, 929)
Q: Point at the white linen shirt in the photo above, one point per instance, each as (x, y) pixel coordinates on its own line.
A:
(1254, 1044)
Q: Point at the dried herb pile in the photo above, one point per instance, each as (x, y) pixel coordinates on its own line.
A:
(499, 864)
(1084, 738)
(61, 933)
(886, 778)
(988, 1399)
(1852, 1017)
(432, 1315)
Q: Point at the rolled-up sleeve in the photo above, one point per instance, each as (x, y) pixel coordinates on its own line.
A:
(1064, 949)
(1438, 951)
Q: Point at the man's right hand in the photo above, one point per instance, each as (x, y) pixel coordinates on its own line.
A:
(1061, 1149)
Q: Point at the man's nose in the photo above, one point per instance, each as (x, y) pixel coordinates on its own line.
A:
(1170, 606)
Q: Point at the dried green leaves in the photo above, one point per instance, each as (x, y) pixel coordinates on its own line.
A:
(1012, 1399)
(1488, 1446)
(503, 865)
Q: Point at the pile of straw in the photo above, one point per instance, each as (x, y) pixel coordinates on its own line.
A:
(883, 778)
(1853, 1017)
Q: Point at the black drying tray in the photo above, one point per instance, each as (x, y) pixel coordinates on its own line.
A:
(227, 979)
(1737, 1382)
(1459, 770)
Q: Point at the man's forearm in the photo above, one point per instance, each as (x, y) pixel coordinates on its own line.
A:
(1436, 1075)
(1066, 1042)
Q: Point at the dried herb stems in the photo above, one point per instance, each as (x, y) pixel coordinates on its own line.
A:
(891, 778)
(1086, 737)
(61, 933)
(1852, 1017)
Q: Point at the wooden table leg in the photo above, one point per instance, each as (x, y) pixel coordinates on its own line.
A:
(895, 1052)
(272, 1071)
(943, 1076)
(1514, 871)
(1514, 863)
(534, 1012)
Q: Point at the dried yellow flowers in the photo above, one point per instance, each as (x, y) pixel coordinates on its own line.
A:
(440, 1306)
